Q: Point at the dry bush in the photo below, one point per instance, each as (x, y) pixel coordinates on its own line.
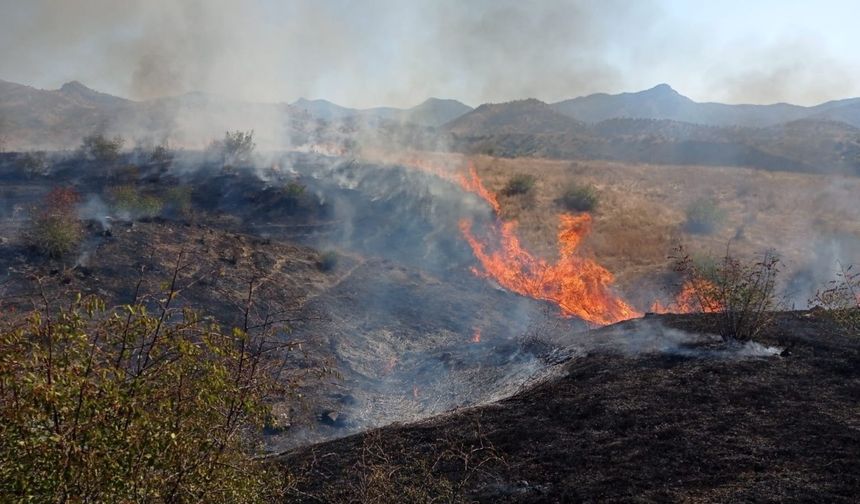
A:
(742, 293)
(128, 200)
(235, 148)
(54, 228)
(841, 299)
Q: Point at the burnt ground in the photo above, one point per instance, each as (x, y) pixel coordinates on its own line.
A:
(658, 427)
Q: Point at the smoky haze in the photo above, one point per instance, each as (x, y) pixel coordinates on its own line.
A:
(396, 53)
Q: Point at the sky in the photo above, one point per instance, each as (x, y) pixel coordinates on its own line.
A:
(398, 53)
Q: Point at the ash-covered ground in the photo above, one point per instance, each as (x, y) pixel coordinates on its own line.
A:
(362, 266)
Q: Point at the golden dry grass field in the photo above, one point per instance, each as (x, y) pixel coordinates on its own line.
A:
(641, 213)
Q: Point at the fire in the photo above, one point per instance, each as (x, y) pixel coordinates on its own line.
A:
(476, 336)
(473, 184)
(469, 181)
(695, 296)
(578, 285)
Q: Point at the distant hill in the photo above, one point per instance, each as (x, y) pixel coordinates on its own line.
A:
(533, 128)
(663, 102)
(517, 117)
(432, 112)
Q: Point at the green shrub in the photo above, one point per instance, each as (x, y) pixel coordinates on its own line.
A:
(703, 216)
(100, 148)
(120, 405)
(520, 183)
(177, 199)
(580, 198)
(54, 228)
(128, 200)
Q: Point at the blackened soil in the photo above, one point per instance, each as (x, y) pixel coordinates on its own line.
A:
(650, 428)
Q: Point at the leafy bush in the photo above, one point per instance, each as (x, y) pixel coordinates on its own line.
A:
(54, 228)
(841, 299)
(129, 201)
(703, 216)
(120, 405)
(580, 198)
(520, 183)
(742, 293)
(100, 148)
(34, 163)
(236, 147)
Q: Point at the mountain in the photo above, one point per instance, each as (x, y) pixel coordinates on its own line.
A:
(533, 128)
(520, 117)
(432, 112)
(663, 102)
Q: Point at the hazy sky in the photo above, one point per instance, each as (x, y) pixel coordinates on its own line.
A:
(376, 52)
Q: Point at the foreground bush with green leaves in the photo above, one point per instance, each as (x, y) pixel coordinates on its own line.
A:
(124, 405)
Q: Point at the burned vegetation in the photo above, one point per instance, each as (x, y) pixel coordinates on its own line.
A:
(223, 325)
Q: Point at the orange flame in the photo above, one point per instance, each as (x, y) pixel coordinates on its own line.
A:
(476, 337)
(696, 295)
(578, 285)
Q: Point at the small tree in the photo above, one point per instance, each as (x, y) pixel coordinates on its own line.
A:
(703, 216)
(99, 148)
(54, 227)
(580, 198)
(521, 183)
(743, 294)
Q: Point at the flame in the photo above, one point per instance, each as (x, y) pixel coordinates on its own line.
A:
(469, 181)
(476, 336)
(579, 286)
(696, 295)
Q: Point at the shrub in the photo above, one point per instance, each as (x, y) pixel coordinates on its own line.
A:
(703, 216)
(34, 163)
(580, 198)
(120, 405)
(54, 228)
(841, 299)
(328, 260)
(178, 200)
(235, 148)
(520, 183)
(129, 201)
(100, 148)
(742, 293)
(161, 154)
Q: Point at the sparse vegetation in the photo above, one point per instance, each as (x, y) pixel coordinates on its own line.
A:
(100, 148)
(841, 299)
(54, 228)
(703, 216)
(34, 164)
(161, 154)
(121, 405)
(520, 183)
(580, 198)
(130, 201)
(235, 148)
(743, 293)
